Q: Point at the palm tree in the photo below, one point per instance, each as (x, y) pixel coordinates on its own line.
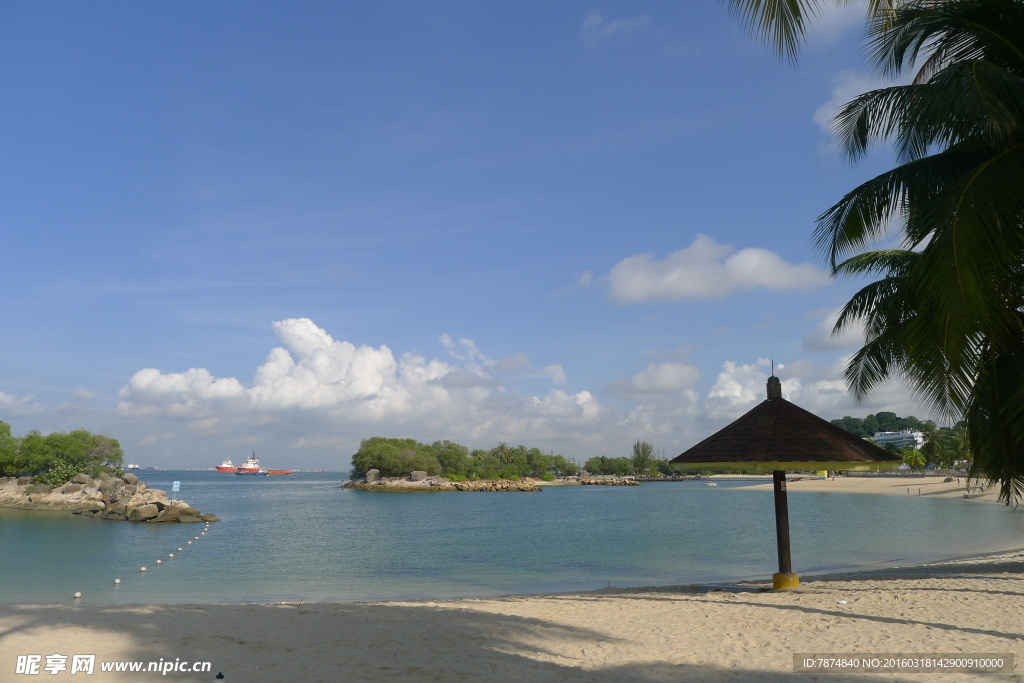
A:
(946, 313)
(915, 460)
(784, 23)
(932, 449)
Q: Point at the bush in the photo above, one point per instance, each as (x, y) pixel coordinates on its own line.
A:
(455, 477)
(547, 476)
(60, 473)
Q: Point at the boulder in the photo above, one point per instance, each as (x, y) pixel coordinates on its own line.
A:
(40, 489)
(188, 510)
(109, 485)
(71, 488)
(372, 476)
(130, 479)
(208, 517)
(83, 479)
(129, 490)
(143, 512)
(140, 485)
(24, 481)
(170, 514)
(189, 519)
(418, 475)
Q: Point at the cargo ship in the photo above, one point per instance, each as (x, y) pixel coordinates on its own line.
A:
(227, 466)
(251, 466)
(279, 471)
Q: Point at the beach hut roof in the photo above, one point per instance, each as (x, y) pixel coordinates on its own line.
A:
(779, 435)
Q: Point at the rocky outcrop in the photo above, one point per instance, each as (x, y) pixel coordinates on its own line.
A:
(105, 497)
(608, 481)
(437, 484)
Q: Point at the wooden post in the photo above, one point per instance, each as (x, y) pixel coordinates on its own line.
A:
(785, 578)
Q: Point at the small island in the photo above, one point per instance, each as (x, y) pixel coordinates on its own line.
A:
(80, 473)
(389, 464)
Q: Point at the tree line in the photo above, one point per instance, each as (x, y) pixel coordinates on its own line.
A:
(57, 457)
(881, 422)
(399, 457)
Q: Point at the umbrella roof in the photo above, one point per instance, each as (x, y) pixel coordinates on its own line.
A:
(784, 436)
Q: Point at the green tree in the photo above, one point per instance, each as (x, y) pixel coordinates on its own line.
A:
(914, 459)
(643, 458)
(933, 449)
(946, 313)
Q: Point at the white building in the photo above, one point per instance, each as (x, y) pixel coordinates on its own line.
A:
(907, 438)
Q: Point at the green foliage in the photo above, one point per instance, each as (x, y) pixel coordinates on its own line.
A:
(399, 457)
(547, 476)
(60, 472)
(643, 458)
(915, 460)
(604, 465)
(945, 313)
(36, 454)
(881, 422)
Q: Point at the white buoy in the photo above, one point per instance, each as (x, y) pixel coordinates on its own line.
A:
(171, 555)
(179, 550)
(159, 561)
(117, 581)
(143, 569)
(190, 542)
(197, 538)
(77, 595)
(203, 534)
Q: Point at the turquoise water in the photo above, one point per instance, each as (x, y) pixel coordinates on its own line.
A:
(300, 537)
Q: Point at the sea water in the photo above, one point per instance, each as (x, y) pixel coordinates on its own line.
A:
(301, 537)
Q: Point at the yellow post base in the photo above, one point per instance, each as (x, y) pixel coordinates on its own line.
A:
(780, 581)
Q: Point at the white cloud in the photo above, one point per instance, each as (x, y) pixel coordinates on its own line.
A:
(556, 373)
(834, 20)
(656, 379)
(596, 29)
(585, 278)
(323, 390)
(846, 85)
(151, 439)
(15, 406)
(820, 338)
(84, 394)
(707, 270)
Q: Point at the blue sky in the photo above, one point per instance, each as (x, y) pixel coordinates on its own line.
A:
(290, 226)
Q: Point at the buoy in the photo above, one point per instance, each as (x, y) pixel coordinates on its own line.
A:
(197, 538)
(190, 542)
(77, 595)
(203, 534)
(159, 561)
(179, 550)
(143, 569)
(171, 555)
(117, 581)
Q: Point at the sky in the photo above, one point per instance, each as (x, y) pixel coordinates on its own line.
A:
(287, 227)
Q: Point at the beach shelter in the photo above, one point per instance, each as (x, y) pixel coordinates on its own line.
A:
(779, 436)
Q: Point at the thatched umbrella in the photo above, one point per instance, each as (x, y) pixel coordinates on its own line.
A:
(780, 436)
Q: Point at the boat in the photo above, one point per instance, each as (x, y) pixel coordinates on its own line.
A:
(279, 471)
(227, 466)
(251, 466)
(710, 483)
(132, 466)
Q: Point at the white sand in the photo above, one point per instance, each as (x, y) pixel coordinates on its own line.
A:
(657, 634)
(971, 607)
(897, 486)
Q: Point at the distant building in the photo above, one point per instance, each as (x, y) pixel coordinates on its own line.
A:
(907, 438)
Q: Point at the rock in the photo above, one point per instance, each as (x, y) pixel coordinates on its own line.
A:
(24, 481)
(418, 475)
(130, 479)
(170, 514)
(129, 490)
(40, 489)
(189, 519)
(143, 512)
(83, 479)
(372, 476)
(190, 511)
(948, 480)
(71, 488)
(140, 486)
(208, 517)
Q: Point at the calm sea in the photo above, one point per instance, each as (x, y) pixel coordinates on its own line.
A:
(300, 537)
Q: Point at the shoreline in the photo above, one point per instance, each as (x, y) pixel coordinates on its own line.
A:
(929, 487)
(968, 605)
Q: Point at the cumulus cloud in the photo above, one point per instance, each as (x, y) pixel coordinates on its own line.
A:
(556, 373)
(658, 379)
(334, 386)
(596, 29)
(820, 337)
(707, 270)
(19, 406)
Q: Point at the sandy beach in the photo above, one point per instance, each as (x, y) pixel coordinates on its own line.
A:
(692, 633)
(664, 634)
(895, 486)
